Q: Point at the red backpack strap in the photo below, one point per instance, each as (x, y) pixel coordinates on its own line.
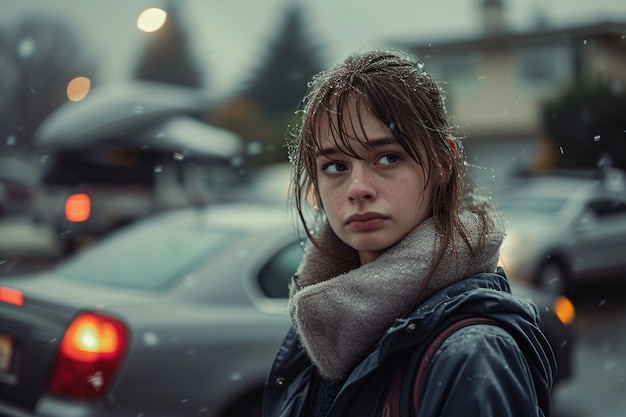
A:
(391, 407)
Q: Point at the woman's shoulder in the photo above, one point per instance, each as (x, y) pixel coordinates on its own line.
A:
(467, 295)
(480, 339)
(485, 296)
(477, 362)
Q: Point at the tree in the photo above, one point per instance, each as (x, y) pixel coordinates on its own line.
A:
(275, 87)
(292, 58)
(168, 57)
(586, 124)
(38, 58)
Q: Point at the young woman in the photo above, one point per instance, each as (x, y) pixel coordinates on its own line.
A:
(402, 249)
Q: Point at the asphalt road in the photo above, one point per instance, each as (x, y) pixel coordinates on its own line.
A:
(598, 386)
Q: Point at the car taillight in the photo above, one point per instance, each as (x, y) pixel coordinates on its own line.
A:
(11, 296)
(78, 208)
(564, 310)
(90, 352)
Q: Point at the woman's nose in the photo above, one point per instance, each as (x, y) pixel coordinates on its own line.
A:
(361, 186)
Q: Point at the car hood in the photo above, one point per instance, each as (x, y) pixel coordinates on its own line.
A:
(533, 225)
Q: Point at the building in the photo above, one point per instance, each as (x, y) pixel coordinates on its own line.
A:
(497, 81)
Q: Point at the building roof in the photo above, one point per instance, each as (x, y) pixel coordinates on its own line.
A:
(488, 40)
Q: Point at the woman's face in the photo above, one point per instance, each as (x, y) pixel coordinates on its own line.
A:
(374, 201)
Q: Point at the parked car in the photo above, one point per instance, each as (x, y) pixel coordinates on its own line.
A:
(180, 314)
(15, 197)
(17, 183)
(565, 229)
(125, 152)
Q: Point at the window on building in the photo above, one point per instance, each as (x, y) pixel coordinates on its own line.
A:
(541, 67)
(459, 71)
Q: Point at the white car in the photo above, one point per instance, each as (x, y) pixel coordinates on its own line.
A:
(564, 230)
(127, 152)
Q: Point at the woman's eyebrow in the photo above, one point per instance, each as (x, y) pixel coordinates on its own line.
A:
(373, 143)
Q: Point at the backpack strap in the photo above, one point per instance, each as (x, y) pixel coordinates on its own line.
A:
(432, 348)
(391, 407)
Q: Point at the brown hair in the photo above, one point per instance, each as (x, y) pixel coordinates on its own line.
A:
(397, 91)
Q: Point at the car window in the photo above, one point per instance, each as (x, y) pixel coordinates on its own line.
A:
(607, 207)
(276, 274)
(100, 166)
(147, 258)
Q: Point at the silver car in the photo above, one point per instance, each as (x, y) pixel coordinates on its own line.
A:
(565, 229)
(180, 314)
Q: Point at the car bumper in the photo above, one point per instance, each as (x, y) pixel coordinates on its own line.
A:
(58, 407)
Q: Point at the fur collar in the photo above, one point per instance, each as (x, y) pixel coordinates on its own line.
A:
(341, 309)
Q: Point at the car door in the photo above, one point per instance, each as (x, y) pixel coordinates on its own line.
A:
(601, 238)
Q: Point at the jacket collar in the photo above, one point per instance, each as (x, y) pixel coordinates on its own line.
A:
(340, 318)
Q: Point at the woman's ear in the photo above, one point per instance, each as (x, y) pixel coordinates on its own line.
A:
(313, 197)
(452, 144)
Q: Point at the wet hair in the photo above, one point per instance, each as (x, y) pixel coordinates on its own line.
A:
(401, 94)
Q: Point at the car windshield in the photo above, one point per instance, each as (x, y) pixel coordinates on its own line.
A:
(148, 258)
(534, 205)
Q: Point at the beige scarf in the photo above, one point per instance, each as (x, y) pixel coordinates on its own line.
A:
(341, 309)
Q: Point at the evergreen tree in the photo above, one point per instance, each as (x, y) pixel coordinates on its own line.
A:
(168, 57)
(38, 58)
(279, 83)
(264, 107)
(586, 124)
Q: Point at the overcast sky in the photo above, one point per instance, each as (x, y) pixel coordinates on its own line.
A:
(229, 34)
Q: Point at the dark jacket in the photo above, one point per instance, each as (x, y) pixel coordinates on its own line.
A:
(480, 370)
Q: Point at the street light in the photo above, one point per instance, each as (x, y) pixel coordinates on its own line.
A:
(151, 20)
(78, 88)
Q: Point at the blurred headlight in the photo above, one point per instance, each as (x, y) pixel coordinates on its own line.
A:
(518, 254)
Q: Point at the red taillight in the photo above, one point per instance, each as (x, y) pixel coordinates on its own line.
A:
(90, 352)
(78, 208)
(11, 296)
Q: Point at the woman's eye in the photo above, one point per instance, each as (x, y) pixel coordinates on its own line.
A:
(334, 168)
(389, 159)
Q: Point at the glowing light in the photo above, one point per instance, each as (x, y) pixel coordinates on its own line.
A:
(78, 208)
(91, 350)
(11, 296)
(151, 20)
(26, 48)
(78, 88)
(564, 309)
(90, 335)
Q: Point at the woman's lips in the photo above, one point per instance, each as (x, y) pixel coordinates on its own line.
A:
(365, 221)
